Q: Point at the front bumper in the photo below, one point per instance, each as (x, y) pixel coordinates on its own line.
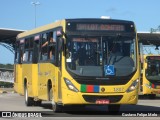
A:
(70, 97)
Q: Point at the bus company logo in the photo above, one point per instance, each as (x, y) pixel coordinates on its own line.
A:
(6, 114)
(102, 89)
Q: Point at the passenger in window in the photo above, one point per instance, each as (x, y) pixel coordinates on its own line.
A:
(51, 49)
(25, 56)
(46, 43)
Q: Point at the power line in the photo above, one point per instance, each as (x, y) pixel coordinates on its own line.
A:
(155, 30)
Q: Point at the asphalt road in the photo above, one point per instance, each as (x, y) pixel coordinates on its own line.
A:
(15, 102)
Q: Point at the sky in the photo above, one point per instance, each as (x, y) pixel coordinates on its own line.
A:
(20, 14)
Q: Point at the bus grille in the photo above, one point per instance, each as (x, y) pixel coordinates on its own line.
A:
(111, 98)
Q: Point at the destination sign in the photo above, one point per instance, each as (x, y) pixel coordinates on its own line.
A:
(100, 27)
(153, 57)
(85, 40)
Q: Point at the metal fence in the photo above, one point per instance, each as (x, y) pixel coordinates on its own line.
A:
(6, 75)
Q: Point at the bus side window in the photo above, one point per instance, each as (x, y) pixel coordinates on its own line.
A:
(35, 48)
(30, 49)
(44, 47)
(26, 53)
(52, 46)
(21, 53)
(25, 56)
(21, 50)
(17, 56)
(17, 53)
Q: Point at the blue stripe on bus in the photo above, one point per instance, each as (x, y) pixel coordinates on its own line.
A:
(96, 88)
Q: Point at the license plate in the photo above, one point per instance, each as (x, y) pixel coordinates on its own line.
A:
(102, 101)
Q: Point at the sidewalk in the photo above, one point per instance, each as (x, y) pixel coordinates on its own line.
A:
(6, 90)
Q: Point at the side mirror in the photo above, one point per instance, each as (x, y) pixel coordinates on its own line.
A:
(68, 54)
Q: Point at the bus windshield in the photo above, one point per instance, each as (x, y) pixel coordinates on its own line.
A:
(153, 68)
(94, 55)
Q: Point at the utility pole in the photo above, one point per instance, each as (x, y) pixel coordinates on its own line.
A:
(35, 5)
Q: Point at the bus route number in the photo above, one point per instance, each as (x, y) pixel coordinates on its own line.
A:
(118, 89)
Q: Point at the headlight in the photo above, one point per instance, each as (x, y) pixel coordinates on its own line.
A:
(148, 86)
(133, 86)
(70, 85)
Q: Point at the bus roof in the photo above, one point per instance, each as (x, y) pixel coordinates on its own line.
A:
(98, 20)
(61, 22)
(41, 29)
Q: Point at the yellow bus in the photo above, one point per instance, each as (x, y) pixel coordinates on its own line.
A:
(149, 64)
(73, 62)
(150, 76)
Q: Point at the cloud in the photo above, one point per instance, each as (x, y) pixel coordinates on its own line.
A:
(111, 10)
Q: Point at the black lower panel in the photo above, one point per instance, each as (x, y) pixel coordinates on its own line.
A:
(111, 98)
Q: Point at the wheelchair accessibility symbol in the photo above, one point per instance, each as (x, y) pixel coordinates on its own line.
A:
(109, 70)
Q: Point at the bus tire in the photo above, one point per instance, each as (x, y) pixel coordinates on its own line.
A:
(114, 109)
(55, 106)
(28, 100)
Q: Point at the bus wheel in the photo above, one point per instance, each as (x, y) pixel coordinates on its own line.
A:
(114, 109)
(55, 106)
(28, 100)
(152, 96)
